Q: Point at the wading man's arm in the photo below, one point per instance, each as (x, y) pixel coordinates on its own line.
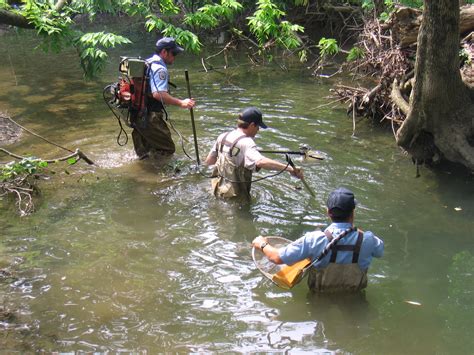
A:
(167, 99)
(270, 252)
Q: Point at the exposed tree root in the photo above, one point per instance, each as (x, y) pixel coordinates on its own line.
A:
(392, 68)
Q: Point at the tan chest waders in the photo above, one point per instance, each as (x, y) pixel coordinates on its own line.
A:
(230, 180)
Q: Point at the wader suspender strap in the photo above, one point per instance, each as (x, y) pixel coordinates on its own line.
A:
(354, 248)
(355, 255)
(225, 142)
(222, 142)
(332, 242)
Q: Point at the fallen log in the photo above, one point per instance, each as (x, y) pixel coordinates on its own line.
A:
(405, 23)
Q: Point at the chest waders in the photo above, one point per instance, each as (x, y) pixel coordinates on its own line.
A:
(339, 277)
(230, 180)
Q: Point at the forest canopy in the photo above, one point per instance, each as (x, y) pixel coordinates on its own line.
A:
(263, 24)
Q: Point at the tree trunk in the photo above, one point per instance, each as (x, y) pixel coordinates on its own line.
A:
(441, 117)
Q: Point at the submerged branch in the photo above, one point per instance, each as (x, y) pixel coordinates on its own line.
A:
(77, 154)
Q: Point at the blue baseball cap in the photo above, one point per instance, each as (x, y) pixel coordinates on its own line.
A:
(170, 44)
(252, 114)
(341, 202)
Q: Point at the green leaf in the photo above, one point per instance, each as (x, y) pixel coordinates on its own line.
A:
(328, 47)
(355, 53)
(210, 16)
(384, 16)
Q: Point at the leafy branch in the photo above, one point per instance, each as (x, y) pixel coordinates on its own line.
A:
(91, 48)
(267, 26)
(54, 21)
(210, 16)
(183, 37)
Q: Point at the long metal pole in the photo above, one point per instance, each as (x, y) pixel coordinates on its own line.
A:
(305, 184)
(291, 152)
(282, 152)
(192, 118)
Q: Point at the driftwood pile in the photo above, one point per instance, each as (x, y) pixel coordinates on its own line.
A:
(389, 58)
(22, 188)
(19, 181)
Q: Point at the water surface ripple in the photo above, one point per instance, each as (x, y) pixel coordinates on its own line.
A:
(137, 256)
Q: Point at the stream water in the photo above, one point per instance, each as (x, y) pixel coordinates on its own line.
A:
(129, 255)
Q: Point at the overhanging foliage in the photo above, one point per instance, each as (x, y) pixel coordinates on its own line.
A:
(55, 23)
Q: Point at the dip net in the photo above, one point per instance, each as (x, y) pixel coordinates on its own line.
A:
(282, 275)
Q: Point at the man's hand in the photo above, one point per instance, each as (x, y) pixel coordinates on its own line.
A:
(270, 252)
(257, 242)
(187, 103)
(297, 172)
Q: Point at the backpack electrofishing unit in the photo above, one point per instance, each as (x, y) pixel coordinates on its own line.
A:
(129, 99)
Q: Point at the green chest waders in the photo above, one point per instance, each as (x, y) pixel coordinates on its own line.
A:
(339, 277)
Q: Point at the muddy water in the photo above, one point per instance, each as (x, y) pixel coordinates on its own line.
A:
(131, 255)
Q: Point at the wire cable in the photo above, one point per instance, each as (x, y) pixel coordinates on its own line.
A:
(234, 181)
(168, 119)
(37, 135)
(119, 119)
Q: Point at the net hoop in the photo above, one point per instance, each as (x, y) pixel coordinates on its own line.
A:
(265, 266)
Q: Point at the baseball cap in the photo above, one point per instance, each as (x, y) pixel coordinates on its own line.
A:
(341, 202)
(168, 43)
(252, 114)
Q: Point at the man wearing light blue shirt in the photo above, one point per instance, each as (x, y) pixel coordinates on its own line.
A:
(344, 268)
(152, 134)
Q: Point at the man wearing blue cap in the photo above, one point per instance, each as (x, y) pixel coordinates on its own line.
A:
(344, 268)
(152, 135)
(236, 157)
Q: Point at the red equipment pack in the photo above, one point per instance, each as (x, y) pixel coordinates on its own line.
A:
(131, 90)
(130, 98)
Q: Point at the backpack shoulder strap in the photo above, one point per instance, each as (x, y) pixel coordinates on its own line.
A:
(230, 144)
(330, 245)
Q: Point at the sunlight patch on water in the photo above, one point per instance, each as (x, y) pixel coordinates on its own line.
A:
(113, 159)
